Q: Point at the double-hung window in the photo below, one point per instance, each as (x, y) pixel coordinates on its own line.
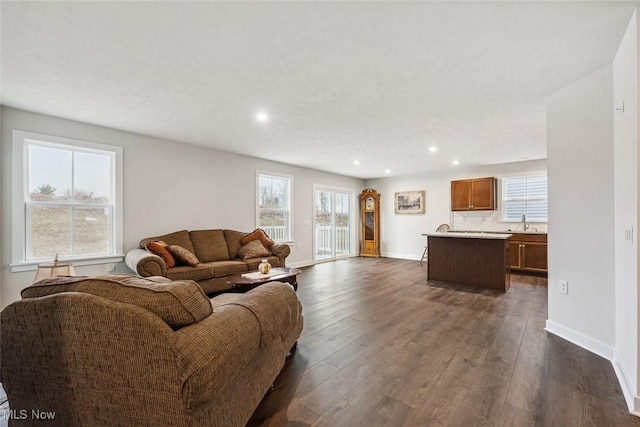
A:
(274, 205)
(67, 199)
(524, 195)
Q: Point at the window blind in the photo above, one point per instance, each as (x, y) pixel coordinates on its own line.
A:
(525, 196)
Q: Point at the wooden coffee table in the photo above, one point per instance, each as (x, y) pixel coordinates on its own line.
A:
(277, 274)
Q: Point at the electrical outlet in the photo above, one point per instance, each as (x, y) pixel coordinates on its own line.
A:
(564, 286)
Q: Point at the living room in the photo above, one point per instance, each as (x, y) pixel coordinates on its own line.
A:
(171, 184)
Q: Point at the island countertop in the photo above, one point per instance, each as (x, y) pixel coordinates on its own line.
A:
(532, 231)
(500, 236)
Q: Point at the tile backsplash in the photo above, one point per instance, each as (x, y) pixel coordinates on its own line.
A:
(489, 221)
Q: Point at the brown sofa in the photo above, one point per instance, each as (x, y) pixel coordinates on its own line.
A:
(217, 251)
(129, 351)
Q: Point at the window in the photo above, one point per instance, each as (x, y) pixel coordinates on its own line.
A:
(274, 205)
(67, 199)
(525, 195)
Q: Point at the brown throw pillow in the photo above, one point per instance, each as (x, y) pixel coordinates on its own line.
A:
(160, 248)
(183, 255)
(253, 249)
(258, 234)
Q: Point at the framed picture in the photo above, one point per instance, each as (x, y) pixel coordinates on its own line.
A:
(410, 202)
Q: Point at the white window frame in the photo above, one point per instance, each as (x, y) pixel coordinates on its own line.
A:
(20, 144)
(289, 198)
(503, 201)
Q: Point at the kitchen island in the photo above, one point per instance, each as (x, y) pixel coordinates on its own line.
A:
(472, 259)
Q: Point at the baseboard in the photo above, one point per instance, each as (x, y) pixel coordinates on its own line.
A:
(626, 383)
(578, 338)
(401, 256)
(308, 263)
(300, 264)
(606, 351)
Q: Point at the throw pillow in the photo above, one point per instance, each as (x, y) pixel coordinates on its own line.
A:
(183, 255)
(160, 248)
(253, 249)
(258, 234)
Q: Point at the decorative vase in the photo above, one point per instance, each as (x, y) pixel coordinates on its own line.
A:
(264, 267)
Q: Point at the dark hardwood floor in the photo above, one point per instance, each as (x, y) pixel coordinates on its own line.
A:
(384, 347)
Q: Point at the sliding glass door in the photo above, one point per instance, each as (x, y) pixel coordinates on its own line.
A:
(332, 223)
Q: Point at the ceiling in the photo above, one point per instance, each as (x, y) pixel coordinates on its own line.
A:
(378, 82)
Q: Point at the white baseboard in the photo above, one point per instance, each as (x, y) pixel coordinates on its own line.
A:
(626, 383)
(308, 263)
(300, 264)
(401, 256)
(606, 351)
(578, 338)
(384, 255)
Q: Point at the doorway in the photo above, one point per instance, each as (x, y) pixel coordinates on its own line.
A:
(332, 223)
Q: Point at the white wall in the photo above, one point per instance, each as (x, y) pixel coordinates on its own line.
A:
(169, 186)
(581, 213)
(625, 90)
(401, 234)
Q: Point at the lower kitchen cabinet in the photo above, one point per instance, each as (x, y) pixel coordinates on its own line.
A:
(528, 252)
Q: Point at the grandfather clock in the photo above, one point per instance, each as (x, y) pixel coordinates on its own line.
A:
(370, 223)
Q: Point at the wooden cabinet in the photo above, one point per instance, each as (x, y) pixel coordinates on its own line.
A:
(473, 194)
(528, 252)
(467, 260)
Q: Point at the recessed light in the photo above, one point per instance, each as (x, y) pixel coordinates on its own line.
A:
(356, 162)
(262, 117)
(387, 171)
(433, 149)
(455, 163)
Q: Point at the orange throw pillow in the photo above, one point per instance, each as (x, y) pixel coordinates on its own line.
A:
(161, 249)
(258, 234)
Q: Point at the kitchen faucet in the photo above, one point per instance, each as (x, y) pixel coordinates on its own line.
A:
(524, 222)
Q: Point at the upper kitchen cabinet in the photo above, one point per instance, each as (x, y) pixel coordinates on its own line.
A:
(473, 194)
